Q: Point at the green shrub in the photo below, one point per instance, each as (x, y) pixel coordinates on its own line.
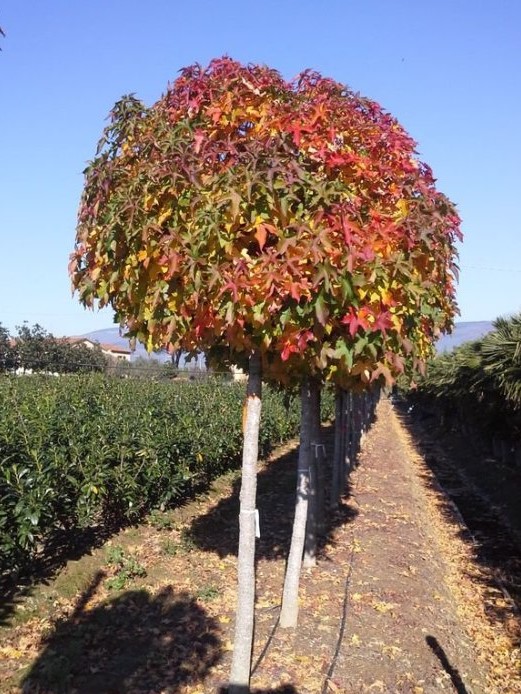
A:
(80, 450)
(477, 386)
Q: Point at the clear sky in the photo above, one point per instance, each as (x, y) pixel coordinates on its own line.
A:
(449, 70)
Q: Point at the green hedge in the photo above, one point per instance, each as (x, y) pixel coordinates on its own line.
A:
(81, 450)
(476, 389)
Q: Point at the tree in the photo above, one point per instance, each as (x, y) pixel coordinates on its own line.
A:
(38, 350)
(8, 359)
(501, 358)
(477, 387)
(78, 358)
(264, 221)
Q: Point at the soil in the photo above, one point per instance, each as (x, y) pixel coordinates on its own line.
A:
(404, 598)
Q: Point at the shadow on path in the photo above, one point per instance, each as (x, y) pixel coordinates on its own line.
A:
(132, 644)
(218, 530)
(455, 677)
(466, 473)
(63, 546)
(284, 689)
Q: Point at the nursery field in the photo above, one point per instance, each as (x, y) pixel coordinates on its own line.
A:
(81, 452)
(401, 600)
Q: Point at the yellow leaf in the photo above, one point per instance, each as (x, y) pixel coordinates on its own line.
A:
(355, 640)
(150, 201)
(265, 603)
(303, 659)
(403, 209)
(383, 606)
(164, 216)
(9, 652)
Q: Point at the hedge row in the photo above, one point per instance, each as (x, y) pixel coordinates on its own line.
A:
(82, 450)
(476, 389)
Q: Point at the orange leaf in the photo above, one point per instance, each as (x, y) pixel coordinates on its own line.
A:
(261, 234)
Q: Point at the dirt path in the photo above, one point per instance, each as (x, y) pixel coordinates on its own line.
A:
(403, 633)
(396, 604)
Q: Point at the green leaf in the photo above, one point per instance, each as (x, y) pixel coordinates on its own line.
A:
(321, 309)
(343, 351)
(346, 287)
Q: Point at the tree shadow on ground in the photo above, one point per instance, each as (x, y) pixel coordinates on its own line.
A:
(134, 643)
(453, 673)
(218, 530)
(283, 689)
(62, 546)
(465, 472)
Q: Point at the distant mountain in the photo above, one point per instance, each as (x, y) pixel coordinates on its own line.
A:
(463, 332)
(112, 336)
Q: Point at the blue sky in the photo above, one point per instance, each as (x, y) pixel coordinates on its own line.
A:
(449, 70)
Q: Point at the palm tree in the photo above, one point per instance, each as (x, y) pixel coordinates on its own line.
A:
(501, 357)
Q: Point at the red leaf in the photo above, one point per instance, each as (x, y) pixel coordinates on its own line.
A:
(198, 140)
(288, 349)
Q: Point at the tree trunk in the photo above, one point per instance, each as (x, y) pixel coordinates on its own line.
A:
(347, 416)
(244, 618)
(289, 610)
(319, 454)
(176, 357)
(353, 423)
(310, 545)
(336, 472)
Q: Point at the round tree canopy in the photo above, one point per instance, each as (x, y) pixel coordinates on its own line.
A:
(242, 212)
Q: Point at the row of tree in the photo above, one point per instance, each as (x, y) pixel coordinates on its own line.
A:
(284, 227)
(477, 387)
(33, 349)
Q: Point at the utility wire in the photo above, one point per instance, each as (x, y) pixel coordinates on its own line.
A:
(490, 269)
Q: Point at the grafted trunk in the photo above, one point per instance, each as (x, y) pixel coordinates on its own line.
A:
(244, 618)
(289, 610)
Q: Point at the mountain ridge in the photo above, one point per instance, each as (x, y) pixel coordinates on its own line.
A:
(464, 331)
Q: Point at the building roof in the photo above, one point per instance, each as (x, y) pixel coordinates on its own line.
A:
(105, 346)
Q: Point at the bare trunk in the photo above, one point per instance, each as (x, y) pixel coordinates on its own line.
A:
(310, 543)
(336, 472)
(315, 519)
(289, 610)
(357, 427)
(244, 619)
(319, 454)
(348, 437)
